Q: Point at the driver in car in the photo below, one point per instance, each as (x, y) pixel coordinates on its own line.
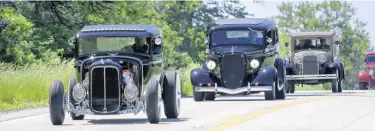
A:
(140, 46)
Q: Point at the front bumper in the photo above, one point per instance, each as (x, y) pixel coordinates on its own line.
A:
(217, 89)
(311, 77)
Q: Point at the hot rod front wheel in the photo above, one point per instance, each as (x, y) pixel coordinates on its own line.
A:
(56, 103)
(153, 104)
(172, 94)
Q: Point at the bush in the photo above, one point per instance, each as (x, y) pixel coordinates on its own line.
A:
(28, 86)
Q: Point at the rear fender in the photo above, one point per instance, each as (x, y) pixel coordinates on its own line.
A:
(200, 76)
(266, 76)
(364, 77)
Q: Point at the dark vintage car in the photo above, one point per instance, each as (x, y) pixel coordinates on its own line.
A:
(241, 58)
(366, 77)
(118, 69)
(314, 59)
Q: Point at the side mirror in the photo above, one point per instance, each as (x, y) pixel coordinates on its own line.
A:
(286, 44)
(337, 42)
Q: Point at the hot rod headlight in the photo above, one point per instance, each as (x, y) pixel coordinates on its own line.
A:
(211, 65)
(322, 58)
(79, 93)
(131, 92)
(254, 63)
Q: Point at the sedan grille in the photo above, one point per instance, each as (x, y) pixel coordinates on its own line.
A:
(233, 70)
(310, 65)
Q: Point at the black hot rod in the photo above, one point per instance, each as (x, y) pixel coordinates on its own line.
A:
(118, 69)
(241, 58)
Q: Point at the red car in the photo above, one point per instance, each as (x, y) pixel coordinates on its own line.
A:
(366, 78)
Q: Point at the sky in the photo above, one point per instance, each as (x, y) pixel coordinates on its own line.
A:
(364, 10)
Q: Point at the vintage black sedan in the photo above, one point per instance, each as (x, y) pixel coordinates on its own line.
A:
(314, 59)
(241, 58)
(118, 69)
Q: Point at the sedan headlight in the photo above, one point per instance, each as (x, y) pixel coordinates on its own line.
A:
(79, 93)
(254, 63)
(297, 59)
(211, 65)
(322, 58)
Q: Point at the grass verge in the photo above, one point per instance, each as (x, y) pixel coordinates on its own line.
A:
(28, 86)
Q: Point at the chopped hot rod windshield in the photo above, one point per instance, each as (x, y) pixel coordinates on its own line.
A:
(110, 44)
(312, 43)
(238, 36)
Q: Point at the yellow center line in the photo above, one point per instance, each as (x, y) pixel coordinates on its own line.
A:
(264, 112)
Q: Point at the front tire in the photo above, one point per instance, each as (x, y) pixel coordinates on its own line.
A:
(56, 103)
(362, 86)
(72, 83)
(172, 95)
(210, 96)
(271, 95)
(281, 94)
(153, 106)
(198, 96)
(335, 82)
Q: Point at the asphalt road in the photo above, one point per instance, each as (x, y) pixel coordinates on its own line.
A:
(302, 111)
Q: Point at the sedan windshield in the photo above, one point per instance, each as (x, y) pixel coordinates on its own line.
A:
(243, 37)
(312, 43)
(371, 59)
(109, 44)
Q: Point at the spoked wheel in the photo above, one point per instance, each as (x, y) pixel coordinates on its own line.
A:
(210, 96)
(172, 95)
(72, 83)
(153, 104)
(56, 103)
(271, 95)
(335, 82)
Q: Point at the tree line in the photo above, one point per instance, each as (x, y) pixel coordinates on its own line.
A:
(38, 31)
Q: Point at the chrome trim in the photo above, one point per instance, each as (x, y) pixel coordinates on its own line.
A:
(127, 57)
(105, 96)
(238, 90)
(311, 77)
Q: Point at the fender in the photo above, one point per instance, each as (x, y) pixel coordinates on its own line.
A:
(364, 77)
(266, 76)
(200, 76)
(279, 65)
(333, 66)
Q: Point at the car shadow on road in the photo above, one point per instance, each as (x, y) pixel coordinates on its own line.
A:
(131, 121)
(317, 94)
(249, 99)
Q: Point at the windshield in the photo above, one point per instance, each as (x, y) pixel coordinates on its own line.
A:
(371, 59)
(243, 36)
(108, 44)
(312, 43)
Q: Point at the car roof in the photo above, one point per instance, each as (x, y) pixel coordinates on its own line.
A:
(253, 23)
(119, 30)
(312, 34)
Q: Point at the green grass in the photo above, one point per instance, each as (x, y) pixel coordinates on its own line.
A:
(326, 86)
(28, 86)
(187, 89)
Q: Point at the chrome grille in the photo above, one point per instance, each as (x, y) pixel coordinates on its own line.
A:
(310, 65)
(104, 89)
